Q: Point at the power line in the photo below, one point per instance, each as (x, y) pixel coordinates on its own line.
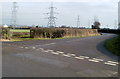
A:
(51, 18)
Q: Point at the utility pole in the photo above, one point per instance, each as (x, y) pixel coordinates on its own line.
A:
(78, 21)
(14, 14)
(51, 18)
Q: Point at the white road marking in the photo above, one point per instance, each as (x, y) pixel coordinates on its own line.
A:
(66, 55)
(33, 47)
(60, 52)
(55, 53)
(71, 54)
(50, 50)
(98, 59)
(113, 62)
(84, 57)
(94, 60)
(26, 47)
(110, 64)
(21, 47)
(115, 72)
(41, 49)
(79, 58)
(45, 51)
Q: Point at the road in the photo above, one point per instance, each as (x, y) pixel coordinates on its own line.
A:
(75, 57)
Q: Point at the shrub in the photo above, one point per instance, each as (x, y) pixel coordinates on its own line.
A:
(46, 33)
(5, 33)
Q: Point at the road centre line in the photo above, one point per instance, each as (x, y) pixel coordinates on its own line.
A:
(93, 60)
(55, 53)
(79, 58)
(66, 55)
(98, 59)
(112, 63)
(109, 64)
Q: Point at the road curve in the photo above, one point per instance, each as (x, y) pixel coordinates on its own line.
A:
(75, 57)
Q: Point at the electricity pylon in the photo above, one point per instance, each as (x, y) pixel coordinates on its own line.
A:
(78, 22)
(14, 14)
(51, 18)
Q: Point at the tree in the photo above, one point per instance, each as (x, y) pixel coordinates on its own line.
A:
(96, 24)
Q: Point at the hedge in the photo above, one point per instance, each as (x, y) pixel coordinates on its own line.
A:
(61, 32)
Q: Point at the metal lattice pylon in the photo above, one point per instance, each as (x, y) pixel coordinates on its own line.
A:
(78, 21)
(51, 18)
(14, 14)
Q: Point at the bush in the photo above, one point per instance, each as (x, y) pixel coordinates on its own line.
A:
(61, 32)
(46, 33)
(5, 33)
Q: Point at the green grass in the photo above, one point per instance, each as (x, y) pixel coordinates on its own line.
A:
(27, 37)
(113, 45)
(19, 30)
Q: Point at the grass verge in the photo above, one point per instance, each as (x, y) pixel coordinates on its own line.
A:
(113, 45)
(19, 30)
(27, 37)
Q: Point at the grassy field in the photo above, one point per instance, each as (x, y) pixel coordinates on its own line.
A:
(113, 45)
(19, 30)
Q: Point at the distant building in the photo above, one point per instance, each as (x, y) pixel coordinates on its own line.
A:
(5, 26)
(119, 14)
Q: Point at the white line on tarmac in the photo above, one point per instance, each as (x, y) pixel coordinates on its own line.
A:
(60, 52)
(50, 50)
(55, 53)
(66, 55)
(110, 64)
(94, 60)
(71, 54)
(21, 47)
(113, 62)
(79, 58)
(84, 57)
(26, 47)
(98, 59)
(34, 47)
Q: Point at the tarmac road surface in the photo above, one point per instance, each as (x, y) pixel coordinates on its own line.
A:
(75, 57)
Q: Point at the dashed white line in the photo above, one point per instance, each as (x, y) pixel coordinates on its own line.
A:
(34, 47)
(110, 64)
(94, 60)
(50, 50)
(66, 55)
(71, 54)
(79, 58)
(98, 59)
(26, 47)
(55, 53)
(21, 47)
(113, 62)
(60, 52)
(84, 57)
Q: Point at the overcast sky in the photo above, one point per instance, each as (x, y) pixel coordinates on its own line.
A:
(32, 12)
